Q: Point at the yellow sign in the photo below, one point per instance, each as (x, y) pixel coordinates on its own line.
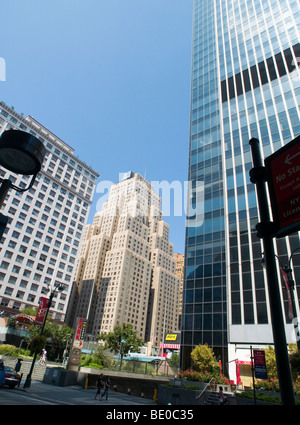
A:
(171, 337)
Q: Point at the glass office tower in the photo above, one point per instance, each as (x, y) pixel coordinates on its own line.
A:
(245, 83)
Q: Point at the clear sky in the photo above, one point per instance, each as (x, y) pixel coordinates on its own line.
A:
(111, 78)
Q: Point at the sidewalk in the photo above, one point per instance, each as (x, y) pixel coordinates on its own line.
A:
(76, 395)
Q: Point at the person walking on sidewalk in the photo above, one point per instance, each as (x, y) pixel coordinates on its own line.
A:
(106, 388)
(42, 360)
(99, 385)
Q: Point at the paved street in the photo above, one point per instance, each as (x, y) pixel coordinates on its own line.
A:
(45, 394)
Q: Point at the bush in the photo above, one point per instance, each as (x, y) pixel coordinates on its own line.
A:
(203, 358)
(273, 385)
(295, 364)
(267, 385)
(37, 343)
(90, 361)
(11, 350)
(206, 376)
(262, 397)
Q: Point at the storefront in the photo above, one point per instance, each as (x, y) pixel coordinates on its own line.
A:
(170, 345)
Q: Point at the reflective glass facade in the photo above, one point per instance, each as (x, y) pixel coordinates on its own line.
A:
(245, 83)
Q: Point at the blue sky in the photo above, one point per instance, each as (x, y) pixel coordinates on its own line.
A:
(109, 77)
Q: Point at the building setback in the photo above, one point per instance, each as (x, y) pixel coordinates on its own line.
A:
(245, 83)
(45, 224)
(126, 271)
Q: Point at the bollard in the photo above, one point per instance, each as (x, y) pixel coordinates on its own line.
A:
(142, 395)
(128, 391)
(115, 388)
(86, 383)
(155, 395)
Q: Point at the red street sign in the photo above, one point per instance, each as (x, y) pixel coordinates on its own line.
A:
(41, 311)
(260, 364)
(79, 333)
(283, 170)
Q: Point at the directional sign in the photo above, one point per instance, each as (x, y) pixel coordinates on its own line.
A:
(283, 169)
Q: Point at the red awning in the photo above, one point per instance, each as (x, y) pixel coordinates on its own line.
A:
(172, 346)
(25, 318)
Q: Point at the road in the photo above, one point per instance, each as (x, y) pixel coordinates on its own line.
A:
(40, 393)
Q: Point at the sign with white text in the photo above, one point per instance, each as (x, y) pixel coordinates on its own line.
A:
(41, 311)
(260, 367)
(283, 170)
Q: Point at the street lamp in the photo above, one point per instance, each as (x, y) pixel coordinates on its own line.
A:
(290, 286)
(59, 287)
(21, 153)
(119, 365)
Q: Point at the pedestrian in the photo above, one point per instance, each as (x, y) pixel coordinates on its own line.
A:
(18, 365)
(43, 357)
(106, 388)
(99, 385)
(222, 399)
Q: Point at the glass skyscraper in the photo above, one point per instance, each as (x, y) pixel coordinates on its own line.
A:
(245, 83)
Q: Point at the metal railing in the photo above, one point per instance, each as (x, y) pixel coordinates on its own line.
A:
(204, 389)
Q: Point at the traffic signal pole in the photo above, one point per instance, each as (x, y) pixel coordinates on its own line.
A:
(265, 231)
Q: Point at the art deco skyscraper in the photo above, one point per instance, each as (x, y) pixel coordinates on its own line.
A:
(126, 270)
(41, 241)
(245, 83)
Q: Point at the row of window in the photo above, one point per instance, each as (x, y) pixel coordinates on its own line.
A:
(245, 81)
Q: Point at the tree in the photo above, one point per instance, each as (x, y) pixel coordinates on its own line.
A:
(60, 336)
(295, 365)
(271, 363)
(55, 335)
(174, 361)
(203, 358)
(122, 339)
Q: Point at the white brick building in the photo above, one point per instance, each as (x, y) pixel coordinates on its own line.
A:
(41, 241)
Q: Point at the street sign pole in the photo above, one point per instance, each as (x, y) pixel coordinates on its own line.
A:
(265, 231)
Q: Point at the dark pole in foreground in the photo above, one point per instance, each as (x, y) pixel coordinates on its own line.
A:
(265, 231)
(27, 383)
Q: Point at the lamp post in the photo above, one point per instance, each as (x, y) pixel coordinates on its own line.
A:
(21, 153)
(58, 287)
(119, 366)
(287, 271)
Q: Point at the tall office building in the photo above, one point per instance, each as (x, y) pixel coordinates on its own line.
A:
(245, 83)
(126, 271)
(45, 224)
(179, 270)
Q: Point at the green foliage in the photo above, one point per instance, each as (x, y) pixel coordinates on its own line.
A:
(174, 361)
(192, 375)
(295, 364)
(271, 384)
(11, 322)
(90, 361)
(31, 311)
(11, 350)
(126, 333)
(37, 343)
(271, 363)
(262, 397)
(54, 334)
(97, 360)
(203, 359)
